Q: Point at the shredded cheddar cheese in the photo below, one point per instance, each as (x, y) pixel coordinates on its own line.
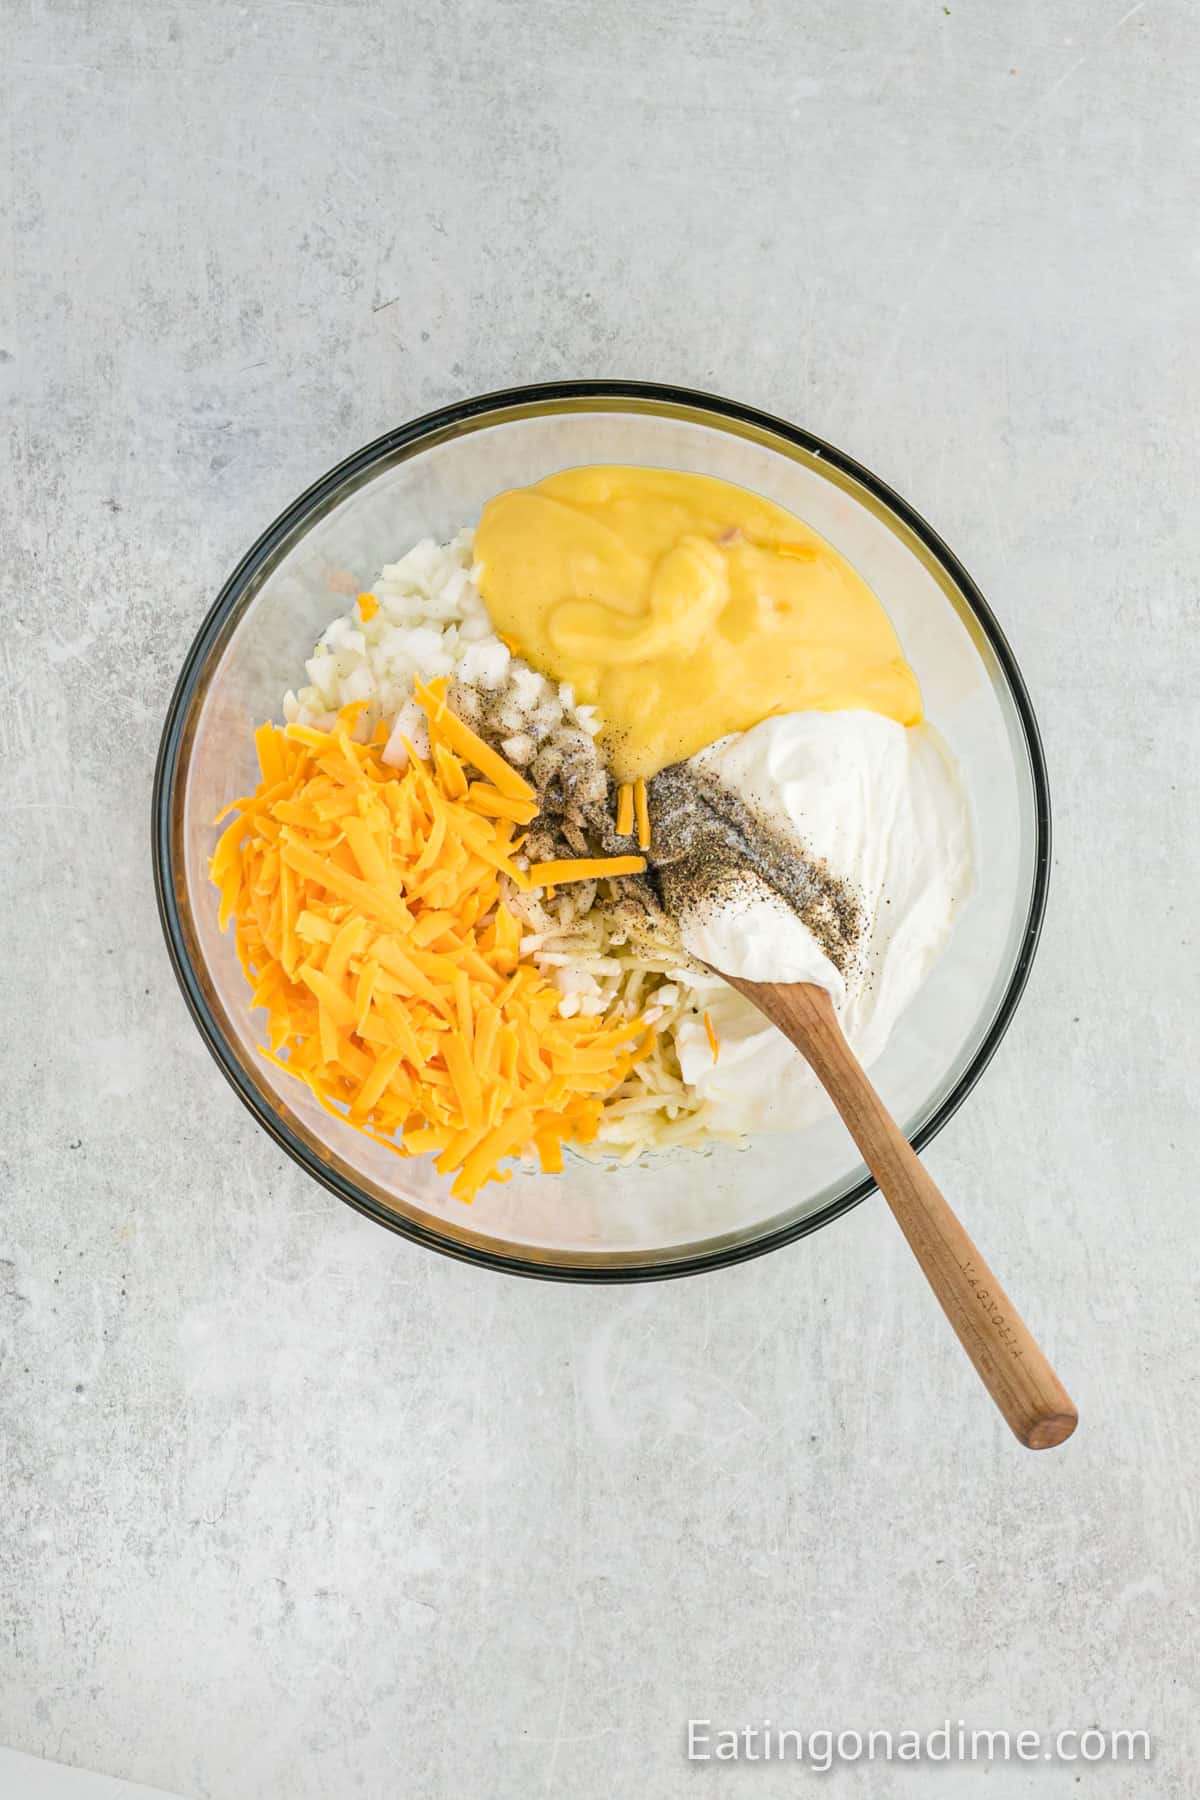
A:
(625, 810)
(643, 813)
(714, 1042)
(449, 729)
(584, 868)
(371, 927)
(368, 606)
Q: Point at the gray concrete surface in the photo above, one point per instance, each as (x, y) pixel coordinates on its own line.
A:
(293, 1510)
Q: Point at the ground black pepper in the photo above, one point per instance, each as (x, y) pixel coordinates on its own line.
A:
(708, 845)
(710, 848)
(577, 801)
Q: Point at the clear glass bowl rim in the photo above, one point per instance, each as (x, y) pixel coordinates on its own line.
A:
(238, 591)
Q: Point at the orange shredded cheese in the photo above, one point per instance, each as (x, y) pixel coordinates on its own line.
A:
(495, 805)
(584, 868)
(447, 727)
(714, 1042)
(368, 606)
(371, 926)
(625, 810)
(643, 814)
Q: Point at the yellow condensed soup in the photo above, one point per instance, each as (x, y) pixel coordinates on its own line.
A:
(684, 608)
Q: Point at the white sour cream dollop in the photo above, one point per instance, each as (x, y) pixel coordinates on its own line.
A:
(882, 806)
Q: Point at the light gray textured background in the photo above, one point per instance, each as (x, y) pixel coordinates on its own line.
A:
(292, 1509)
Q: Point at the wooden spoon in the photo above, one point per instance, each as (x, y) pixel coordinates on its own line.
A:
(990, 1330)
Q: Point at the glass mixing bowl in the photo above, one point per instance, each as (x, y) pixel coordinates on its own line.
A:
(678, 1212)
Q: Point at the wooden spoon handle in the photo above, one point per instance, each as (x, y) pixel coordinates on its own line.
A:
(991, 1331)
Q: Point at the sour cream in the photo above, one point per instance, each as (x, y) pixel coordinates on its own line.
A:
(881, 805)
